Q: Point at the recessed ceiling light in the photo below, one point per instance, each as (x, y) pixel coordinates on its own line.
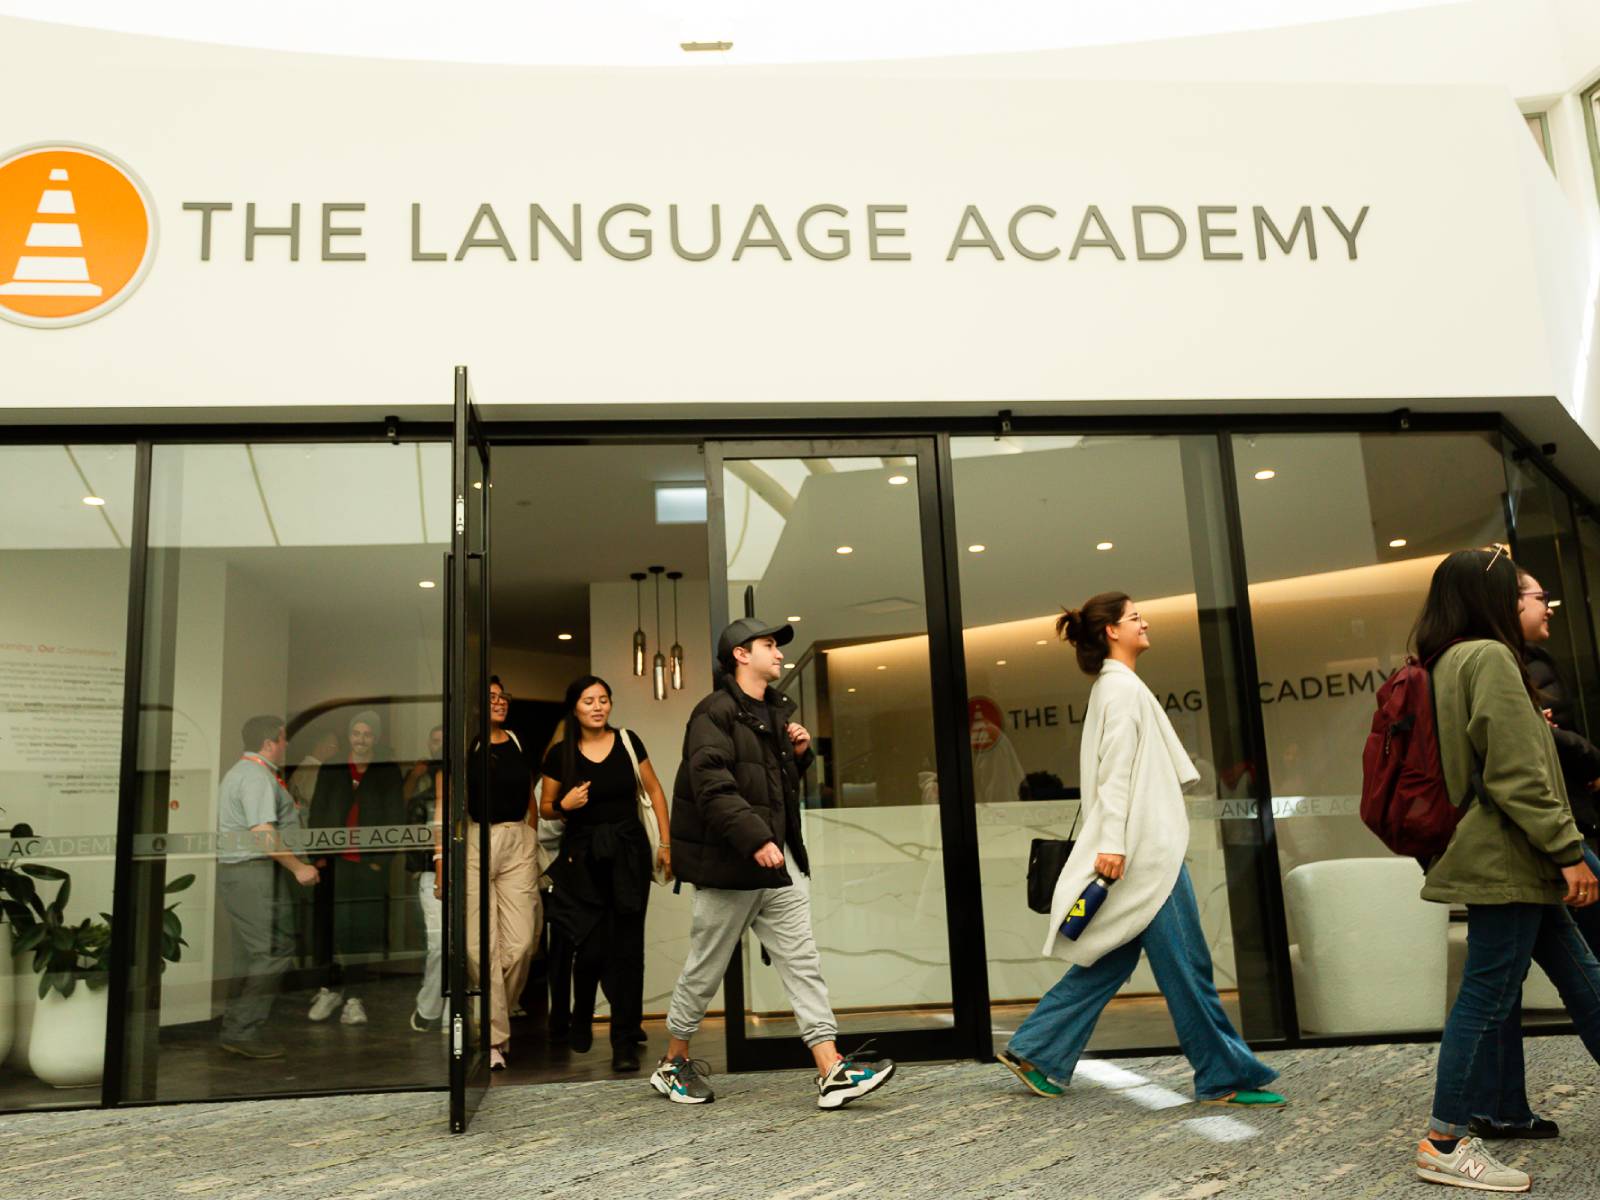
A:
(788, 666)
(883, 666)
(479, 485)
(899, 480)
(563, 637)
(1396, 543)
(792, 620)
(94, 501)
(844, 549)
(426, 583)
(1266, 474)
(1105, 545)
(976, 548)
(849, 689)
(1555, 604)
(1042, 642)
(999, 662)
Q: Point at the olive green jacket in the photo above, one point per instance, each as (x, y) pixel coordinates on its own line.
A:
(1509, 850)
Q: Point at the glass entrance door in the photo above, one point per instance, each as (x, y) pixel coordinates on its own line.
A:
(846, 542)
(467, 725)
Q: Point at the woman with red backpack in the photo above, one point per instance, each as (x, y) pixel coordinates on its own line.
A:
(1515, 859)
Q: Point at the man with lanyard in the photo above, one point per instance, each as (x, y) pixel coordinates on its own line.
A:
(254, 811)
(736, 836)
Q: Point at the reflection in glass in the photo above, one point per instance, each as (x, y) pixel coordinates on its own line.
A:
(860, 675)
(1341, 544)
(1047, 522)
(63, 612)
(282, 582)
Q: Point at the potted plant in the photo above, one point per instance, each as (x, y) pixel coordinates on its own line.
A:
(66, 1044)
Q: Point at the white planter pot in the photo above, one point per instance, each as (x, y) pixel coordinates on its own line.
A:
(67, 1047)
(24, 995)
(8, 993)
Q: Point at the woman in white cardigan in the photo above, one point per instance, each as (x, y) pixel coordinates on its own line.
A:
(1135, 832)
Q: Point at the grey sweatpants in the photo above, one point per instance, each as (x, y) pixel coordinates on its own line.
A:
(781, 918)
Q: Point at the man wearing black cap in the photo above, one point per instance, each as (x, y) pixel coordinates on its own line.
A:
(735, 836)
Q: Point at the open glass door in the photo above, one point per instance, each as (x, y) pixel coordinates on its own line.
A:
(467, 722)
(848, 541)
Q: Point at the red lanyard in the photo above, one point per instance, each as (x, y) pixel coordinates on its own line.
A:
(256, 758)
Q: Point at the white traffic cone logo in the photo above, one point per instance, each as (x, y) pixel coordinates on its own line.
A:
(53, 274)
(77, 234)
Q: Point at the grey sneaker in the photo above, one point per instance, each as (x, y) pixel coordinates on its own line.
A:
(1469, 1165)
(683, 1081)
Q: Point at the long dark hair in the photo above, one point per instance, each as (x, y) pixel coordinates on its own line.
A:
(571, 732)
(1085, 628)
(1473, 596)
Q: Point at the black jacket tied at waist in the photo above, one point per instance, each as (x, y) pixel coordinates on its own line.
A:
(600, 867)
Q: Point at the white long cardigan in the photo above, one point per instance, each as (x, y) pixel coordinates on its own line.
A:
(1132, 771)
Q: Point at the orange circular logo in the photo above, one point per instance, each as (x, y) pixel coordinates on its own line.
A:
(77, 234)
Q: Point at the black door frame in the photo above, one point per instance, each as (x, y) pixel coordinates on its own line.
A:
(466, 721)
(969, 980)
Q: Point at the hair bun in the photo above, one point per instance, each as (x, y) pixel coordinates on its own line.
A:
(1070, 625)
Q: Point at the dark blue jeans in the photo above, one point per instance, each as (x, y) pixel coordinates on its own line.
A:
(1057, 1030)
(1501, 940)
(1502, 1094)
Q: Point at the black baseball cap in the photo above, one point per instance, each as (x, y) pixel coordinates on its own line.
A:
(747, 629)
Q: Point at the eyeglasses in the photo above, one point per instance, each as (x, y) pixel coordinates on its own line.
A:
(1133, 616)
(1542, 597)
(1499, 548)
(499, 697)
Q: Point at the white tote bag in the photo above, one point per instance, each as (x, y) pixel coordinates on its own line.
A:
(647, 812)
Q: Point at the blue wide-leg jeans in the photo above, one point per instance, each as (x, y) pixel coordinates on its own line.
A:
(1055, 1033)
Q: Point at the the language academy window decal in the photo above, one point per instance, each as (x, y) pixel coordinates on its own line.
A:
(77, 234)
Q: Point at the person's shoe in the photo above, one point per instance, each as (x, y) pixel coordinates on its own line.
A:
(1032, 1078)
(325, 1004)
(1494, 1131)
(252, 1049)
(497, 1059)
(355, 1013)
(624, 1059)
(641, 1038)
(581, 1037)
(421, 1024)
(683, 1081)
(1249, 1099)
(1469, 1165)
(852, 1077)
(518, 1011)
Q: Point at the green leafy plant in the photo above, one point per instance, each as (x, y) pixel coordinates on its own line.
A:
(64, 954)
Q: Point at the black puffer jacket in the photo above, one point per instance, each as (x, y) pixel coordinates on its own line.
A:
(1580, 758)
(738, 788)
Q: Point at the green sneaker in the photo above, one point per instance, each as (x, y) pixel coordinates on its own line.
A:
(1250, 1100)
(1031, 1077)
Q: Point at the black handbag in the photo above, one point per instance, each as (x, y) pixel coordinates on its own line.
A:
(1046, 858)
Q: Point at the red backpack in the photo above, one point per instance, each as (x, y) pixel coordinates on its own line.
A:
(1403, 795)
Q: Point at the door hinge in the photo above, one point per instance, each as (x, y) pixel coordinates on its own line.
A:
(457, 1036)
(461, 514)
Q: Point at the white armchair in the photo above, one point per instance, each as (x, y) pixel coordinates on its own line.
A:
(1369, 955)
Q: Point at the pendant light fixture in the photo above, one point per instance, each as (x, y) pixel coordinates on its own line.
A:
(675, 655)
(638, 632)
(658, 666)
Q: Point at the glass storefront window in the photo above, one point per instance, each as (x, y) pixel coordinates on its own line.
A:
(304, 584)
(66, 521)
(1341, 535)
(1044, 523)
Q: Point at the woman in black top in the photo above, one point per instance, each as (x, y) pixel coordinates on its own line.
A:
(602, 876)
(513, 897)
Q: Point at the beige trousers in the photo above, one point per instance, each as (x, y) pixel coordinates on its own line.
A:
(514, 917)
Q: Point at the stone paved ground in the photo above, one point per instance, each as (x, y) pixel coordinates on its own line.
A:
(1125, 1129)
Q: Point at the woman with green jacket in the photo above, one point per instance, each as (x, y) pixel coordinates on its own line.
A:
(1515, 860)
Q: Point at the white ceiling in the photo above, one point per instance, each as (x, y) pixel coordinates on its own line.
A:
(649, 32)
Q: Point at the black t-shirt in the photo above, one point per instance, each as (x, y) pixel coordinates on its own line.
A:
(613, 795)
(510, 783)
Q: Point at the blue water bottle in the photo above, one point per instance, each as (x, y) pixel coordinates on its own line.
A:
(1084, 908)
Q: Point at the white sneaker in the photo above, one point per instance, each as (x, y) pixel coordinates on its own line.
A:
(324, 1003)
(1469, 1165)
(354, 1013)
